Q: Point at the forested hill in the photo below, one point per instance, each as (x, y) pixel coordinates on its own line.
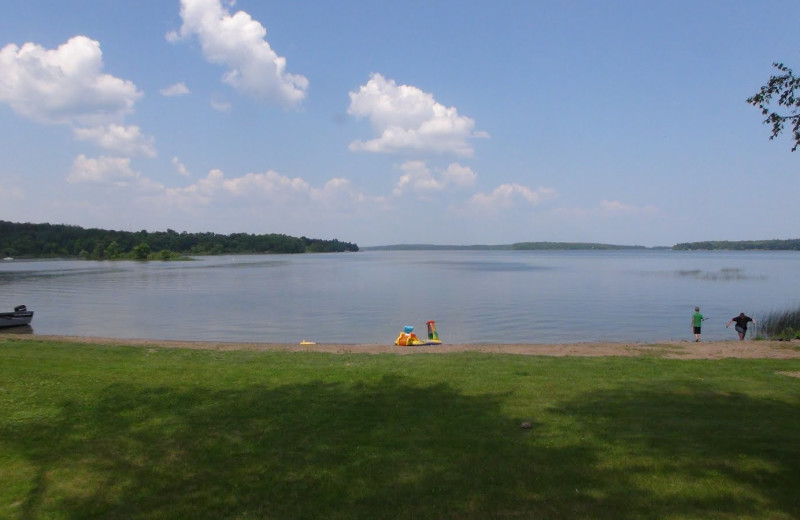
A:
(741, 245)
(519, 246)
(58, 240)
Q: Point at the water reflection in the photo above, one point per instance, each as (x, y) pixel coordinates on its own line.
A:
(491, 266)
(22, 329)
(729, 274)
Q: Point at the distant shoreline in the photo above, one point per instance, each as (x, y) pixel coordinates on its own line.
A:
(518, 246)
(718, 245)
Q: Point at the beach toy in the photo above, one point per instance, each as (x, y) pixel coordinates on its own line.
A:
(432, 334)
(407, 337)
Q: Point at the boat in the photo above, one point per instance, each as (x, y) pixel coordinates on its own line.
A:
(21, 316)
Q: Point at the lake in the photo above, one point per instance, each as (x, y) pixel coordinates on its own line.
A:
(367, 297)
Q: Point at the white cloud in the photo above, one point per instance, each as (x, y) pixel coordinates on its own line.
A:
(109, 171)
(616, 207)
(180, 167)
(237, 42)
(178, 89)
(507, 195)
(125, 140)
(263, 192)
(409, 120)
(220, 105)
(460, 175)
(252, 185)
(333, 190)
(65, 85)
(271, 184)
(339, 193)
(417, 178)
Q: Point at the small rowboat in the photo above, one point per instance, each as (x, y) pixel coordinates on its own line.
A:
(21, 316)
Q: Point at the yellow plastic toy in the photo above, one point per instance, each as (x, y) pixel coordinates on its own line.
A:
(408, 338)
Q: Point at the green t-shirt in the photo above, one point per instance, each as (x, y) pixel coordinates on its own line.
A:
(697, 319)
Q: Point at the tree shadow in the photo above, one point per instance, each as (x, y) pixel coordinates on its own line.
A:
(387, 449)
(707, 446)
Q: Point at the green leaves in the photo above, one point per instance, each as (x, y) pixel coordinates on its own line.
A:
(780, 90)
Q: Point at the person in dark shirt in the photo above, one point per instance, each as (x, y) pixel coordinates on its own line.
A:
(741, 324)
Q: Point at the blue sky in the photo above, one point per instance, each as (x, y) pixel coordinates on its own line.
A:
(376, 122)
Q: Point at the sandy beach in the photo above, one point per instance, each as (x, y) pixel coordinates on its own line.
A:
(668, 349)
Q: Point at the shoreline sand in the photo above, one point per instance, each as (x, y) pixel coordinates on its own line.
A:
(667, 349)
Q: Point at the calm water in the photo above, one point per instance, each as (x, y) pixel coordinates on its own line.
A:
(367, 297)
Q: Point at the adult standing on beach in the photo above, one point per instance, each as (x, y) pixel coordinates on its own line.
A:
(697, 321)
(741, 324)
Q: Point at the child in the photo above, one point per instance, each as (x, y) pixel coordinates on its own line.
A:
(697, 320)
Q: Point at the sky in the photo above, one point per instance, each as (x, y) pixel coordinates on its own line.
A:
(383, 122)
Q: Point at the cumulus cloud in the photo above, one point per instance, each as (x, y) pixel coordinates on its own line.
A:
(249, 186)
(255, 193)
(253, 190)
(178, 89)
(409, 120)
(125, 140)
(109, 171)
(507, 195)
(65, 85)
(238, 42)
(179, 166)
(339, 193)
(419, 179)
(459, 175)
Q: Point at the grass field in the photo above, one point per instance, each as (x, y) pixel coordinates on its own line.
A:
(148, 433)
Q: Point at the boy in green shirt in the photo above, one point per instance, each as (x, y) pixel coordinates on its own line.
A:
(697, 320)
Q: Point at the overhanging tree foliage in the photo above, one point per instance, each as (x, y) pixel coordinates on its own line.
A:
(781, 90)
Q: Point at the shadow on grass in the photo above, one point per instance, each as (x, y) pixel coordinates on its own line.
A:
(692, 453)
(392, 449)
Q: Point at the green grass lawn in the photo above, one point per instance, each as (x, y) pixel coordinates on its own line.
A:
(147, 433)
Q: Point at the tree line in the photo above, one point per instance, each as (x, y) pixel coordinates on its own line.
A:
(518, 246)
(568, 246)
(60, 240)
(740, 245)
